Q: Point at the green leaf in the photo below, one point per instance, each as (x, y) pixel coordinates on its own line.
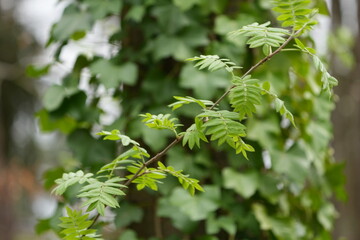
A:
(224, 126)
(136, 13)
(107, 71)
(101, 9)
(128, 235)
(224, 24)
(188, 183)
(268, 187)
(214, 6)
(245, 96)
(65, 28)
(224, 123)
(323, 7)
(199, 206)
(266, 86)
(148, 177)
(101, 194)
(76, 226)
(36, 72)
(65, 124)
(328, 81)
(244, 184)
(179, 220)
(128, 214)
(337, 180)
(225, 222)
(279, 104)
(213, 63)
(115, 135)
(194, 133)
(154, 138)
(128, 73)
(326, 216)
(203, 83)
(280, 107)
(262, 36)
(212, 226)
(281, 227)
(185, 5)
(51, 175)
(228, 224)
(264, 131)
(293, 164)
(111, 75)
(69, 179)
(299, 44)
(53, 97)
(171, 19)
(261, 216)
(168, 46)
(295, 13)
(187, 100)
(122, 161)
(161, 121)
(88, 149)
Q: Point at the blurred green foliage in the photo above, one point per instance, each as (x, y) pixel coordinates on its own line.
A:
(282, 192)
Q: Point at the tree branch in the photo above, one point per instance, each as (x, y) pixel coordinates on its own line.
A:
(157, 157)
(178, 139)
(261, 62)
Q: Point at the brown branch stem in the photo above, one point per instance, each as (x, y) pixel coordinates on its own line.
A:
(261, 62)
(147, 163)
(179, 138)
(153, 159)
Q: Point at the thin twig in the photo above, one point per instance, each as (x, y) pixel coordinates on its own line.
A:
(261, 62)
(154, 159)
(179, 138)
(147, 163)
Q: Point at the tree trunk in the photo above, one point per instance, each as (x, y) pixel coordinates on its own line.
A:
(347, 135)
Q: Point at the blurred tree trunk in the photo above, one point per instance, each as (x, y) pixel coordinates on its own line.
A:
(6, 60)
(347, 133)
(16, 101)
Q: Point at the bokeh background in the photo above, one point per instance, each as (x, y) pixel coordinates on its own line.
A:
(25, 153)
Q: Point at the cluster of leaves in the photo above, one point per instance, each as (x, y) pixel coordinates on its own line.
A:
(245, 96)
(187, 100)
(102, 194)
(160, 121)
(189, 184)
(223, 126)
(124, 159)
(284, 187)
(295, 13)
(194, 134)
(328, 81)
(99, 194)
(213, 63)
(76, 226)
(262, 36)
